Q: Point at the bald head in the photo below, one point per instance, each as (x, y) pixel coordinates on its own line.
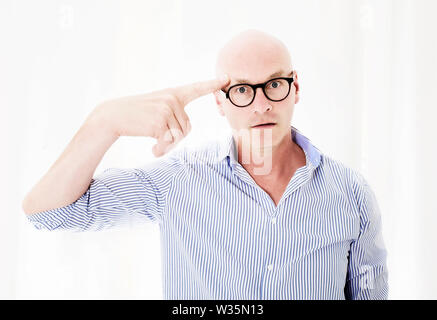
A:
(253, 54)
(256, 57)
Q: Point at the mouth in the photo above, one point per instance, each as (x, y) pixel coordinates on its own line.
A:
(265, 125)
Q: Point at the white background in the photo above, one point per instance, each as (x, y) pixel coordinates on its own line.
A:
(368, 77)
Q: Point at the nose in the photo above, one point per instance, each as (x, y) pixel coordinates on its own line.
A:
(260, 104)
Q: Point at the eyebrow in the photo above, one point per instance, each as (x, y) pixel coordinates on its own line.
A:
(276, 74)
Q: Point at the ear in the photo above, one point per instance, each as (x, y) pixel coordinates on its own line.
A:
(219, 99)
(296, 85)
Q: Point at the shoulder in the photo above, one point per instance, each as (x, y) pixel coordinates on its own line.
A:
(206, 152)
(351, 181)
(177, 160)
(341, 171)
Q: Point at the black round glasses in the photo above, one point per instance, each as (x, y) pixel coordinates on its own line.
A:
(243, 94)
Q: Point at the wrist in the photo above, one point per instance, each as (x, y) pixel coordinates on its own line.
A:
(100, 121)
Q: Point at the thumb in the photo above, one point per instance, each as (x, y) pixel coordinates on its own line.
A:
(164, 144)
(156, 150)
(161, 149)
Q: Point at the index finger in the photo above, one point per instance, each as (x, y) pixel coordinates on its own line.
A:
(188, 93)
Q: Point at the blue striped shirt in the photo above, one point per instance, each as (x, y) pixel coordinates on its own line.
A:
(223, 237)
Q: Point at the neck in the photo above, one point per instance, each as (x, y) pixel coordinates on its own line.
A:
(269, 160)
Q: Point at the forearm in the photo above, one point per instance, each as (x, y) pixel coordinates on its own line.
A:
(70, 176)
(149, 115)
(370, 284)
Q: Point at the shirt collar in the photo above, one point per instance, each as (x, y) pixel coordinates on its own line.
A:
(228, 150)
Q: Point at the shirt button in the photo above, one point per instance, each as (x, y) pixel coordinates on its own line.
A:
(270, 267)
(273, 220)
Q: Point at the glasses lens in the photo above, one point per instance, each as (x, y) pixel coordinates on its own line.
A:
(241, 95)
(277, 89)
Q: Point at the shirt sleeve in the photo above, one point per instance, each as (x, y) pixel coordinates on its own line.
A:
(116, 197)
(367, 275)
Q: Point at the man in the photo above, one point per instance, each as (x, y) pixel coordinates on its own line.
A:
(262, 214)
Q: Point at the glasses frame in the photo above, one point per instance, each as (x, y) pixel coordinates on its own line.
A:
(259, 85)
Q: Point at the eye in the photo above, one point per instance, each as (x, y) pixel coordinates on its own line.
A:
(241, 90)
(275, 84)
